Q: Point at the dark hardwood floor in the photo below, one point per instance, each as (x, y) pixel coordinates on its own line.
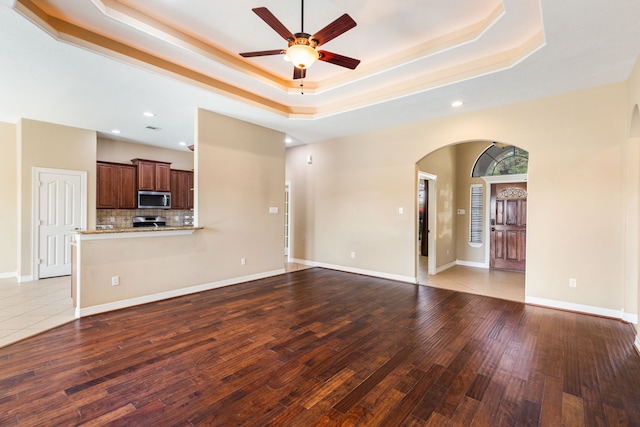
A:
(319, 347)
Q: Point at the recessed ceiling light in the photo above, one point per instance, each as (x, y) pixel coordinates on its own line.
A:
(182, 143)
(116, 131)
(288, 140)
(457, 104)
(148, 114)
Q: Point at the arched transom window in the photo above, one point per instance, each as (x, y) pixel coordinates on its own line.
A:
(500, 159)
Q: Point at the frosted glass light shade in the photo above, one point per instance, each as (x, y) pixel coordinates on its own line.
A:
(302, 56)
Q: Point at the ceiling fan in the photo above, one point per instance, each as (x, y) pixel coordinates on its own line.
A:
(301, 50)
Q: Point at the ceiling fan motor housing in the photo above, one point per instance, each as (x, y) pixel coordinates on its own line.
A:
(304, 39)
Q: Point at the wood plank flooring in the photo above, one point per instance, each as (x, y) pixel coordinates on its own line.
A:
(320, 347)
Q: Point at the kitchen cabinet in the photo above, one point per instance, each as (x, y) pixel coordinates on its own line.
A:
(181, 189)
(127, 197)
(153, 175)
(106, 188)
(116, 186)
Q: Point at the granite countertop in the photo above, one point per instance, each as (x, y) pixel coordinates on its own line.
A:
(138, 230)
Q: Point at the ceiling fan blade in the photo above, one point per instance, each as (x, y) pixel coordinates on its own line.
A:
(333, 30)
(299, 73)
(334, 58)
(274, 23)
(262, 53)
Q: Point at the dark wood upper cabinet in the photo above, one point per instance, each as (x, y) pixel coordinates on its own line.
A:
(116, 186)
(106, 189)
(163, 176)
(152, 175)
(127, 177)
(181, 189)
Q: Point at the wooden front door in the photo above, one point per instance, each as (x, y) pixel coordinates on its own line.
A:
(509, 226)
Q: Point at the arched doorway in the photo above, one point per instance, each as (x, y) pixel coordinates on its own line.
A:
(461, 211)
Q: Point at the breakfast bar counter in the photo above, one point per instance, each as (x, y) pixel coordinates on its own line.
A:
(114, 233)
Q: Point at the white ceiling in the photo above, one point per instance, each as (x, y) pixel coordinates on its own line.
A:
(99, 64)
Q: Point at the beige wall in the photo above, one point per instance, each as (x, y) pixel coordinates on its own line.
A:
(576, 216)
(9, 193)
(443, 164)
(239, 174)
(110, 150)
(54, 146)
(301, 203)
(466, 156)
(347, 201)
(632, 176)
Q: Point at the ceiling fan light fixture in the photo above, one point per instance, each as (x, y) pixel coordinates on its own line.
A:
(302, 56)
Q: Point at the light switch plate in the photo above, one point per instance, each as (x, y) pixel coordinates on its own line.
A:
(273, 209)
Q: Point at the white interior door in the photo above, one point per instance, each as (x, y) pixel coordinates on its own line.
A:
(60, 212)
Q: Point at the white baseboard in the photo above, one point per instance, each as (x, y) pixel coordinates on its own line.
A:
(117, 305)
(22, 279)
(372, 273)
(630, 318)
(446, 267)
(588, 309)
(637, 344)
(11, 275)
(472, 264)
(303, 262)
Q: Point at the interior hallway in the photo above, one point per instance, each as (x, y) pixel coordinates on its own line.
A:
(30, 308)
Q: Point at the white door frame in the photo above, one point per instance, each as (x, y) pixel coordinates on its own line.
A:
(35, 211)
(287, 213)
(431, 215)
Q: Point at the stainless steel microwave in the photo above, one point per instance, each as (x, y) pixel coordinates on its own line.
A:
(154, 200)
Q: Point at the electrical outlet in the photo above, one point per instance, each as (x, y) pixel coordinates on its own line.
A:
(115, 280)
(243, 261)
(573, 283)
(353, 254)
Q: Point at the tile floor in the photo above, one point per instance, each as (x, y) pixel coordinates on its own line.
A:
(501, 284)
(29, 308)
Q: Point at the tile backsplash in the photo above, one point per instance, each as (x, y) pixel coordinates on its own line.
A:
(122, 218)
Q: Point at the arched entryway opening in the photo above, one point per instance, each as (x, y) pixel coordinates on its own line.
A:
(480, 199)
